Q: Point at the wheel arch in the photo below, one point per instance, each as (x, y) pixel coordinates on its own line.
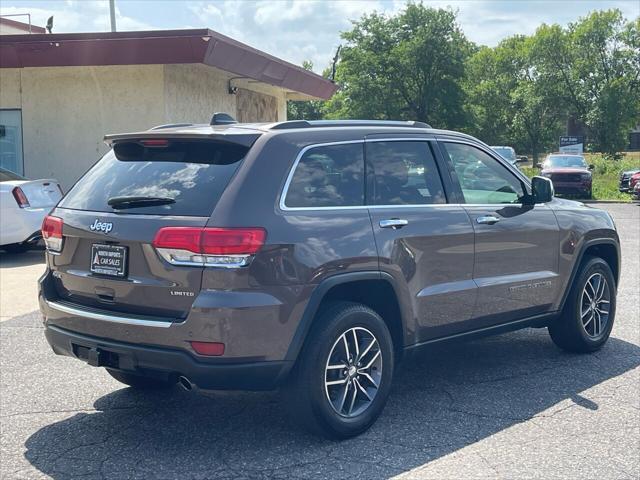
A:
(606, 248)
(372, 288)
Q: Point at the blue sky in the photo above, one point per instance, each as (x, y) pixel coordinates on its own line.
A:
(296, 30)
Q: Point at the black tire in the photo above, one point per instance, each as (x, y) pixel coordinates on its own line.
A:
(139, 381)
(16, 248)
(568, 331)
(307, 397)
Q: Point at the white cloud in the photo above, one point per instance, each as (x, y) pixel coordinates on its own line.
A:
(298, 30)
(276, 13)
(293, 30)
(77, 16)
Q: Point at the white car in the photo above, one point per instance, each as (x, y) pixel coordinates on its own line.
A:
(23, 205)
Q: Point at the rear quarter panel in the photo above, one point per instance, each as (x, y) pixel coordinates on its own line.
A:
(302, 249)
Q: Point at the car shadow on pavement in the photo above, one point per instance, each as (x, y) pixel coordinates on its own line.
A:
(448, 398)
(24, 259)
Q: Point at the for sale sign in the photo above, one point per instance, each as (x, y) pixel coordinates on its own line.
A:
(572, 144)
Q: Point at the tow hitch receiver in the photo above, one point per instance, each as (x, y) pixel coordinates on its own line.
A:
(96, 357)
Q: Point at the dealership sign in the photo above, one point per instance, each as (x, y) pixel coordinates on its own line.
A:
(572, 144)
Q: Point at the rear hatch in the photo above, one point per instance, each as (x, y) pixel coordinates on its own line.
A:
(111, 216)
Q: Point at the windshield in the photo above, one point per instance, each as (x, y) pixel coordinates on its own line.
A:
(505, 152)
(568, 161)
(7, 176)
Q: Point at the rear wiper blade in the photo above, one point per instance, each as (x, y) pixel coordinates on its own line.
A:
(119, 203)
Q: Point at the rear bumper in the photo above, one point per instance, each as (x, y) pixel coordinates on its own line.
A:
(254, 325)
(157, 348)
(166, 363)
(22, 225)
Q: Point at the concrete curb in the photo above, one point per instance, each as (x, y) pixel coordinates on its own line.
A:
(610, 202)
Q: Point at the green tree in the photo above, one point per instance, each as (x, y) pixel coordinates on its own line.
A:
(487, 98)
(305, 109)
(535, 113)
(509, 102)
(408, 66)
(596, 60)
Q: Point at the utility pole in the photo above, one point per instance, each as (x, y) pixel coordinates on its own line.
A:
(112, 12)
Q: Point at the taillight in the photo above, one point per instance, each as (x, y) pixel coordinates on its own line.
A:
(209, 247)
(52, 233)
(232, 241)
(20, 197)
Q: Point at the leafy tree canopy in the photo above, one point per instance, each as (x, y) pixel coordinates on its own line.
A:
(418, 65)
(409, 66)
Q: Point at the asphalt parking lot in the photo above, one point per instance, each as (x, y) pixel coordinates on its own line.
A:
(512, 406)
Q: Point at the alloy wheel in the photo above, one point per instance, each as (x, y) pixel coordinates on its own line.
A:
(595, 305)
(353, 372)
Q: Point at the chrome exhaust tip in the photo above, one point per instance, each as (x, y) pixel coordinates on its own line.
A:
(186, 384)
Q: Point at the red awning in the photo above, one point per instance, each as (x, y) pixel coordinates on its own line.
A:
(160, 47)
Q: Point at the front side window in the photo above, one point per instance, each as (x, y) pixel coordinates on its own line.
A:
(482, 178)
(328, 176)
(402, 173)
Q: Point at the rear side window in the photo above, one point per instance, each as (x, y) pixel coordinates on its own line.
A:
(402, 173)
(189, 176)
(328, 176)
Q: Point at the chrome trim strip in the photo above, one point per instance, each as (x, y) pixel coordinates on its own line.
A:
(107, 318)
(482, 147)
(241, 261)
(285, 189)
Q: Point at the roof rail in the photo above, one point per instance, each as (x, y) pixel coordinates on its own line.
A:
(291, 124)
(347, 123)
(171, 125)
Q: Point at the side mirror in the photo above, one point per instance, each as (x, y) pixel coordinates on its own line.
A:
(522, 160)
(542, 189)
(591, 167)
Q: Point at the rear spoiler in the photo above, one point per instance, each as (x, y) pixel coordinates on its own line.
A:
(228, 135)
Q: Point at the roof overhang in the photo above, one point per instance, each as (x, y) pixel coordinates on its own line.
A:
(25, 27)
(161, 47)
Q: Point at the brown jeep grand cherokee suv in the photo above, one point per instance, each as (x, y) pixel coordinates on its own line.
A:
(313, 256)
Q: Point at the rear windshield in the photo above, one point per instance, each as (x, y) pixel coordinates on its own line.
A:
(7, 176)
(505, 152)
(190, 175)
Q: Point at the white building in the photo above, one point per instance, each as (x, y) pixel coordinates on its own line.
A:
(61, 93)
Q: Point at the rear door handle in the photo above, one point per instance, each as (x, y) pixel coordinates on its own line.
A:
(394, 223)
(487, 220)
